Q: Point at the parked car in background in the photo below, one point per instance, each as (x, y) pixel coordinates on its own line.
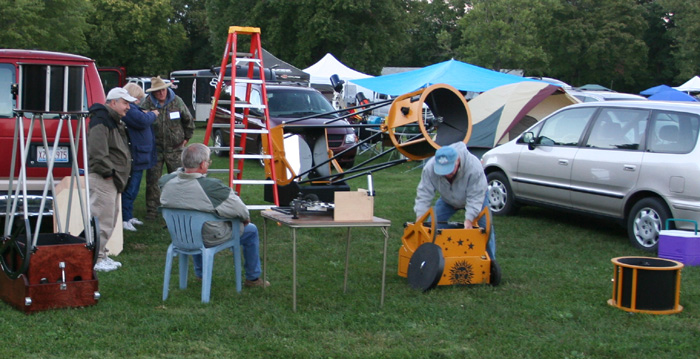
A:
(554, 81)
(112, 77)
(594, 96)
(144, 82)
(287, 103)
(632, 161)
(33, 91)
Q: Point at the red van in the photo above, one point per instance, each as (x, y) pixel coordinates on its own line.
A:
(14, 95)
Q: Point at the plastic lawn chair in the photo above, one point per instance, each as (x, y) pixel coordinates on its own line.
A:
(185, 227)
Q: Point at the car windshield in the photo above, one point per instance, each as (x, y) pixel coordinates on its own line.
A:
(295, 104)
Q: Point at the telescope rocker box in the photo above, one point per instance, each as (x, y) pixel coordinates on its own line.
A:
(357, 206)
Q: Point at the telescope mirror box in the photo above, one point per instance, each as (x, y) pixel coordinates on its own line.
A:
(353, 206)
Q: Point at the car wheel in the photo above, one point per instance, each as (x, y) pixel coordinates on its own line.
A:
(219, 142)
(500, 194)
(645, 221)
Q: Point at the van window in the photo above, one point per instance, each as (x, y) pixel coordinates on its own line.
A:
(7, 78)
(618, 128)
(566, 127)
(673, 132)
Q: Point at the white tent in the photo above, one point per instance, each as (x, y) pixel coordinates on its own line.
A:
(322, 71)
(692, 85)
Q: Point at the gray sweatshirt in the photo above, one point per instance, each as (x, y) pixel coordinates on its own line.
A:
(467, 190)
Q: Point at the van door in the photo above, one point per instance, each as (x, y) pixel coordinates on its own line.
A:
(544, 172)
(606, 168)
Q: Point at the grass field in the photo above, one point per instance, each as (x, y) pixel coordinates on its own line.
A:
(551, 302)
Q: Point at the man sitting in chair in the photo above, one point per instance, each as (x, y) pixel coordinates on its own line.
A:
(189, 188)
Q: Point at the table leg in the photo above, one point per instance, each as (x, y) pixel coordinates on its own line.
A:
(347, 261)
(385, 230)
(294, 269)
(264, 268)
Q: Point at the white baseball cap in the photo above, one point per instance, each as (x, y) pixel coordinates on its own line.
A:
(118, 92)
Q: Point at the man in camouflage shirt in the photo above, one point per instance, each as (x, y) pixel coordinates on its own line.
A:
(173, 129)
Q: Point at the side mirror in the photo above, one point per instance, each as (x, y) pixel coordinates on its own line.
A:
(529, 138)
(336, 83)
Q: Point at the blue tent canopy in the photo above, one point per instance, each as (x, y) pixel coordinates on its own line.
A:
(460, 75)
(672, 95)
(652, 90)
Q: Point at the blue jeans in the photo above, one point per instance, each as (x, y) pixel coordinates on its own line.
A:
(444, 211)
(130, 193)
(250, 243)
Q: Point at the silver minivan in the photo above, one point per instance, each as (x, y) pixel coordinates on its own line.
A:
(633, 161)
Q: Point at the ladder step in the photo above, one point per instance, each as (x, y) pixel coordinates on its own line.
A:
(241, 54)
(235, 181)
(254, 157)
(252, 130)
(248, 60)
(224, 148)
(227, 125)
(244, 80)
(260, 207)
(242, 104)
(221, 170)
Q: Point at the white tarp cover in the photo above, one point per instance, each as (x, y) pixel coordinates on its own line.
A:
(322, 70)
(692, 85)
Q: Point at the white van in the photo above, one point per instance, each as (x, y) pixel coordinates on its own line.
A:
(632, 161)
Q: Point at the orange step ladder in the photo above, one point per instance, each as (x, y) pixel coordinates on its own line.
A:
(237, 156)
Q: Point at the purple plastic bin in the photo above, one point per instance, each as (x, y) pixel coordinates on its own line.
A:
(678, 245)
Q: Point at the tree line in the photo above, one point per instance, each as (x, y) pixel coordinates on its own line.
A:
(627, 45)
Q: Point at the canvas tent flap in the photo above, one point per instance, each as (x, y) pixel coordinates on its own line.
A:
(672, 95)
(283, 70)
(460, 75)
(322, 71)
(652, 90)
(692, 85)
(503, 113)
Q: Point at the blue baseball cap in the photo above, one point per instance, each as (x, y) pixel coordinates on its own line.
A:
(445, 159)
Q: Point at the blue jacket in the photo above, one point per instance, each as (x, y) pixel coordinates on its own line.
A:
(141, 137)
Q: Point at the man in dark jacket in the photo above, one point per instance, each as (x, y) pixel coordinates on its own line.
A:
(173, 128)
(109, 164)
(142, 143)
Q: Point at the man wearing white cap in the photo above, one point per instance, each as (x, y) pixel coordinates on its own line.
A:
(458, 177)
(109, 162)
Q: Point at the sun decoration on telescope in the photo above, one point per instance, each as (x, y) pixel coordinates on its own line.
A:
(461, 273)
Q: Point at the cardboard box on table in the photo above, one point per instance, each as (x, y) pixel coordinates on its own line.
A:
(357, 206)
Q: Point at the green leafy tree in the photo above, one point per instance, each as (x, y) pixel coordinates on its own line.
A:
(504, 34)
(53, 25)
(193, 17)
(141, 35)
(598, 41)
(364, 34)
(222, 14)
(685, 32)
(661, 68)
(433, 31)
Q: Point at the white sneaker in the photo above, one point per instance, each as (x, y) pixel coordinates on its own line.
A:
(135, 221)
(113, 262)
(104, 266)
(129, 227)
